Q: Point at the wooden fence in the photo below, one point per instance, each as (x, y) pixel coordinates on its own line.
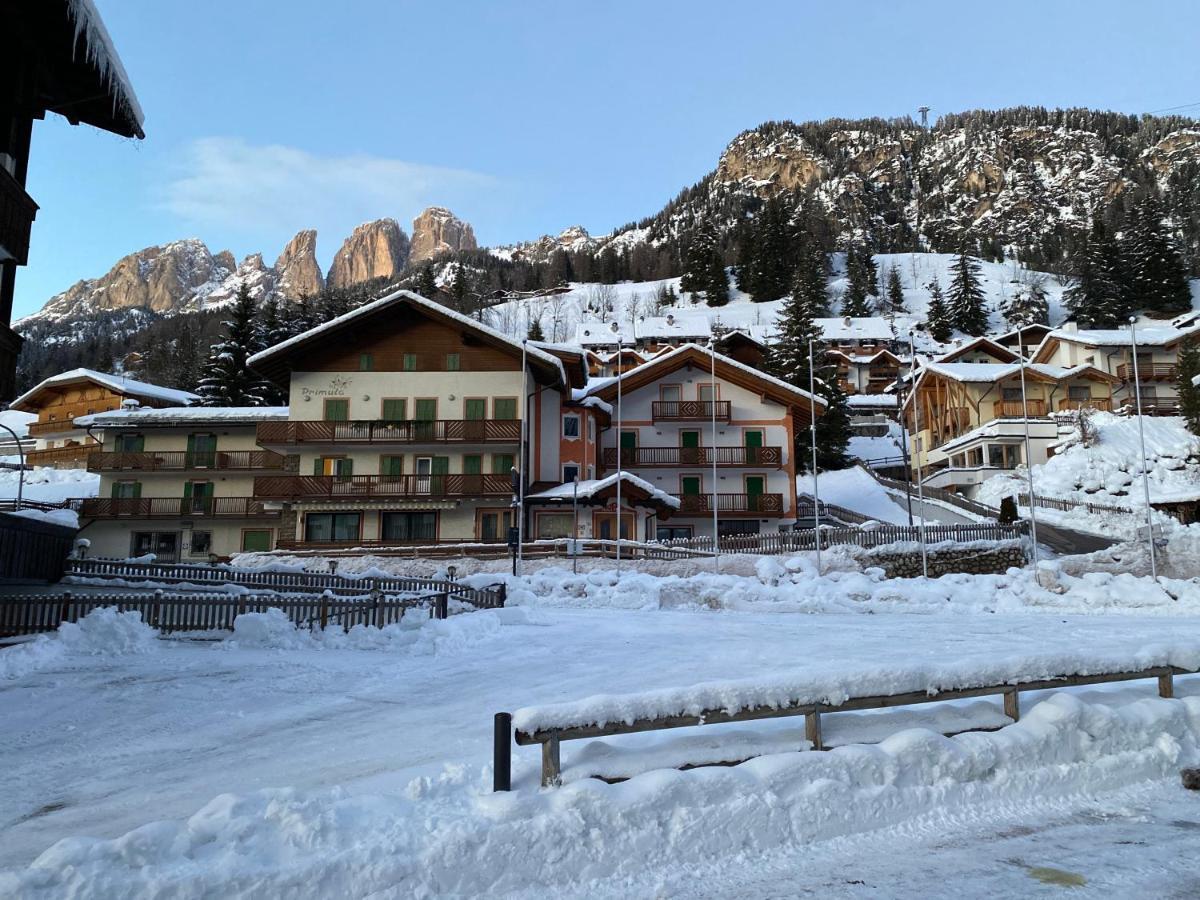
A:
(33, 550)
(1070, 505)
(551, 739)
(266, 579)
(171, 612)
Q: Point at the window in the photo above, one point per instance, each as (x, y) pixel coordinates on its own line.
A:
(473, 464)
(1012, 395)
(570, 473)
(201, 450)
(131, 443)
(494, 524)
(502, 463)
(201, 543)
(408, 526)
(366, 362)
(475, 409)
(1080, 393)
(753, 442)
(504, 408)
(673, 532)
(591, 430)
(453, 362)
(975, 457)
(163, 544)
(391, 465)
(410, 362)
(197, 497)
(570, 426)
(1004, 456)
(257, 540)
(126, 490)
(555, 525)
(690, 485)
(426, 410)
(326, 527)
(395, 410)
(672, 393)
(337, 409)
(706, 392)
(737, 526)
(333, 465)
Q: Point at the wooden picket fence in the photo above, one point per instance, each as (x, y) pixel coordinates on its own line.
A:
(266, 579)
(1070, 505)
(172, 612)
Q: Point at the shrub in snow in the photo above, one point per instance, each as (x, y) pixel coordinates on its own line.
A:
(107, 632)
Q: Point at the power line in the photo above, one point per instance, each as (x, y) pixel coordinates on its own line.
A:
(1171, 108)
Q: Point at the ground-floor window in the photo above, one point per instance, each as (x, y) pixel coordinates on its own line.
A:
(256, 540)
(408, 526)
(606, 526)
(975, 457)
(494, 524)
(332, 526)
(674, 532)
(201, 543)
(737, 526)
(163, 544)
(555, 525)
(1004, 456)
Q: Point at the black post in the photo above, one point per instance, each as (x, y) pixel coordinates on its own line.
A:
(441, 605)
(502, 753)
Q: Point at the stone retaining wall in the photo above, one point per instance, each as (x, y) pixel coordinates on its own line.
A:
(992, 560)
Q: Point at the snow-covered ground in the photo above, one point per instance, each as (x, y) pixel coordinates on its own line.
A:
(855, 490)
(49, 485)
(358, 764)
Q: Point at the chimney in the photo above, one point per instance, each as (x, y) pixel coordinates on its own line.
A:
(847, 321)
(670, 318)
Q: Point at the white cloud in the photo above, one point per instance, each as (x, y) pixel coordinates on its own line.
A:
(266, 190)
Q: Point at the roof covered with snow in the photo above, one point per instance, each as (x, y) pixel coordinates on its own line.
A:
(1147, 335)
(185, 415)
(684, 325)
(982, 373)
(118, 384)
(863, 328)
(596, 486)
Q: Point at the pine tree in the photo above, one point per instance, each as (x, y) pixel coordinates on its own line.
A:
(894, 304)
(426, 284)
(534, 333)
(965, 298)
(938, 317)
(226, 379)
(771, 251)
(1096, 298)
(705, 268)
(1028, 305)
(833, 428)
(1156, 276)
(861, 283)
(1188, 367)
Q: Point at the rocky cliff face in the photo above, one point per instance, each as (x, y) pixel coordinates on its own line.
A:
(438, 231)
(296, 269)
(376, 249)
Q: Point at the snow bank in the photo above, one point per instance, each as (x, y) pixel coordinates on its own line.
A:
(68, 518)
(49, 485)
(446, 836)
(102, 632)
(855, 490)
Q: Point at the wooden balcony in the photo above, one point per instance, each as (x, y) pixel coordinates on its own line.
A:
(182, 460)
(1154, 406)
(73, 457)
(380, 487)
(1148, 372)
(681, 457)
(691, 410)
(751, 505)
(17, 212)
(437, 431)
(1103, 404)
(1015, 409)
(175, 508)
(59, 426)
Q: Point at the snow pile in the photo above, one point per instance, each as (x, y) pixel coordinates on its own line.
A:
(447, 836)
(47, 485)
(856, 490)
(68, 518)
(416, 634)
(102, 632)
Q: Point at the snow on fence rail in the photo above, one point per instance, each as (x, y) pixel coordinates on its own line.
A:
(1071, 505)
(168, 612)
(804, 694)
(270, 579)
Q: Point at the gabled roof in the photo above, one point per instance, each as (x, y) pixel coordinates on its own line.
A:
(1026, 335)
(574, 360)
(603, 489)
(184, 415)
(863, 328)
(997, 351)
(118, 384)
(276, 362)
(986, 373)
(728, 369)
(1147, 336)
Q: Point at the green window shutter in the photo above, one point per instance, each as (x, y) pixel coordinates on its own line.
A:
(366, 362)
(253, 541)
(116, 490)
(410, 362)
(187, 490)
(628, 440)
(505, 407)
(440, 465)
(137, 490)
(688, 439)
(453, 362)
(754, 486)
(691, 486)
(337, 410)
(392, 465)
(345, 466)
(475, 410)
(426, 410)
(502, 463)
(473, 465)
(754, 438)
(395, 410)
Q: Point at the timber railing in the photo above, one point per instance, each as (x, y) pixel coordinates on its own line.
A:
(1070, 505)
(732, 504)
(317, 487)
(178, 460)
(963, 503)
(691, 410)
(12, 505)
(550, 726)
(267, 579)
(169, 611)
(175, 508)
(1148, 372)
(415, 431)
(694, 456)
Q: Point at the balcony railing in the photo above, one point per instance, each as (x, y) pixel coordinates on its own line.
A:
(1101, 403)
(437, 431)
(691, 410)
(74, 456)
(1153, 406)
(1148, 372)
(1015, 409)
(178, 460)
(175, 508)
(694, 456)
(17, 211)
(371, 487)
(58, 426)
(732, 504)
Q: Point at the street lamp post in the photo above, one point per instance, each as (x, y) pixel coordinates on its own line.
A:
(812, 405)
(1028, 456)
(712, 353)
(575, 527)
(620, 457)
(1137, 390)
(912, 354)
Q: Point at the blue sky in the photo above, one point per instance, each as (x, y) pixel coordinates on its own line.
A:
(263, 118)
